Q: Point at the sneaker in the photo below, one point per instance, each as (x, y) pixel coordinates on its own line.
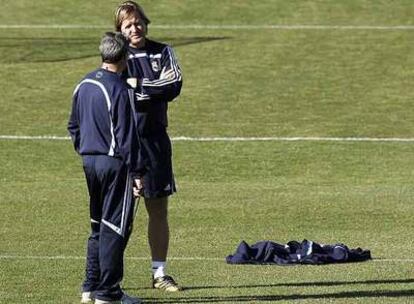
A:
(88, 297)
(166, 283)
(126, 299)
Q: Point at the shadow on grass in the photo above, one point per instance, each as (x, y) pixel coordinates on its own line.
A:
(56, 49)
(299, 284)
(258, 298)
(308, 284)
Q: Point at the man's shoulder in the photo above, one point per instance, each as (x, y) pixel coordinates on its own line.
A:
(88, 78)
(156, 46)
(108, 82)
(95, 74)
(96, 77)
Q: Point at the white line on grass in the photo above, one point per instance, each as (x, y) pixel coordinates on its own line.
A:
(297, 138)
(228, 139)
(40, 137)
(218, 27)
(285, 27)
(63, 257)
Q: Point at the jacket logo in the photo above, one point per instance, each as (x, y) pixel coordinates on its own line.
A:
(156, 65)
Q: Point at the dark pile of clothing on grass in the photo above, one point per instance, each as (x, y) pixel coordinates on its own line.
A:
(305, 252)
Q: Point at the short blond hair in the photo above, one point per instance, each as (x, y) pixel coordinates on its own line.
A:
(127, 9)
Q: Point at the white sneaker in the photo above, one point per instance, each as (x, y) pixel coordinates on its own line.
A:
(88, 297)
(126, 299)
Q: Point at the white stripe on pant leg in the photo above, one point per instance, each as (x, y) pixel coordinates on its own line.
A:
(121, 230)
(112, 226)
(126, 205)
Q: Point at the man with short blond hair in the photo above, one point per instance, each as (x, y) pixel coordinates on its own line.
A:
(156, 76)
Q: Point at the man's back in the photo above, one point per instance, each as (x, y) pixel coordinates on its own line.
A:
(96, 100)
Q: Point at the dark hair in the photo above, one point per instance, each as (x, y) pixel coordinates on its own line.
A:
(113, 47)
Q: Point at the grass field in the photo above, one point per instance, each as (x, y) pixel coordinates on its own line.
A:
(248, 80)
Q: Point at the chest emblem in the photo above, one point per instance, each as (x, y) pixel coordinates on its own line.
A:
(156, 64)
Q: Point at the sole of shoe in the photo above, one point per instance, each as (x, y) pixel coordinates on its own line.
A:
(97, 301)
(87, 297)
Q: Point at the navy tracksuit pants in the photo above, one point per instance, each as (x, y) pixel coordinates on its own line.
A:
(111, 212)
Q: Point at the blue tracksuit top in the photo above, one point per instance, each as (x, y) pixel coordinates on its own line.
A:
(101, 121)
(155, 65)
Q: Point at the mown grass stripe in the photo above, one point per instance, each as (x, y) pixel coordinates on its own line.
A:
(228, 139)
(63, 257)
(218, 27)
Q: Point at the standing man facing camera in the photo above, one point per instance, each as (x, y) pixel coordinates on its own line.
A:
(104, 134)
(157, 80)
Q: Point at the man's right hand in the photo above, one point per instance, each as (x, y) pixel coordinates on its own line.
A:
(138, 187)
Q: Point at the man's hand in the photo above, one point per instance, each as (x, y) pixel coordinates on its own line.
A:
(138, 187)
(133, 82)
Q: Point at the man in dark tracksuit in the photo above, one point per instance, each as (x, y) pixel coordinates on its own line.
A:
(154, 72)
(104, 134)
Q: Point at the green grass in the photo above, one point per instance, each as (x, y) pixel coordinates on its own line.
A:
(276, 191)
(353, 12)
(250, 83)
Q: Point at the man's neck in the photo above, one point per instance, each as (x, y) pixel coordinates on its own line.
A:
(139, 45)
(111, 67)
